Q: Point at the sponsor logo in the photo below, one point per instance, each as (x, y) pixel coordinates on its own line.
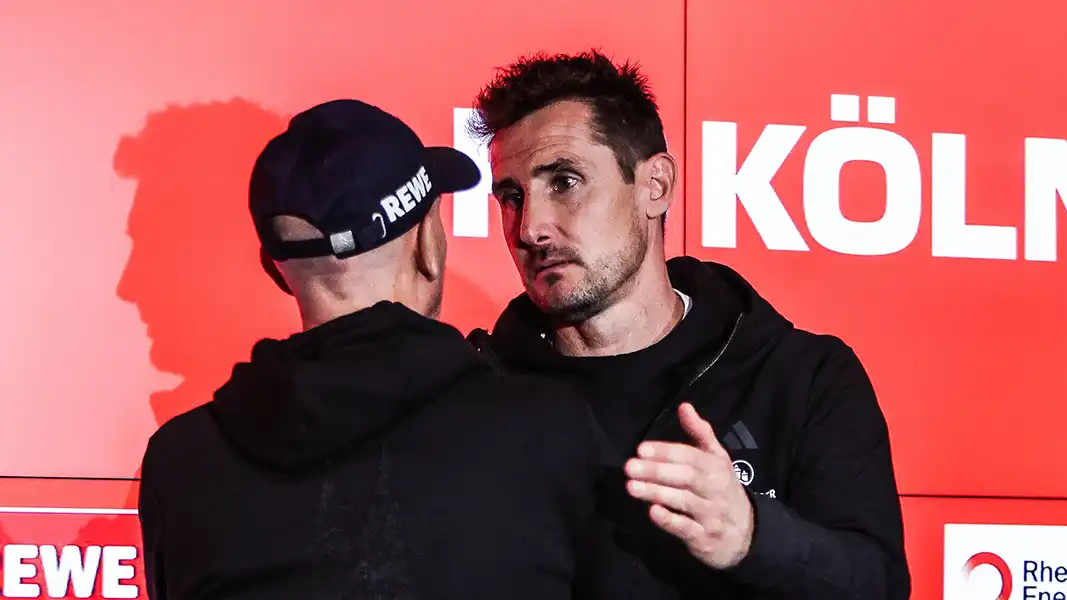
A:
(744, 471)
(74, 570)
(102, 561)
(406, 197)
(730, 180)
(988, 558)
(1005, 562)
(739, 438)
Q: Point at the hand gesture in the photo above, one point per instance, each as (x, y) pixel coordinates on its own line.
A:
(695, 493)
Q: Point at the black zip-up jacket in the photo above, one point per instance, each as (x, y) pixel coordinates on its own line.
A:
(376, 456)
(796, 412)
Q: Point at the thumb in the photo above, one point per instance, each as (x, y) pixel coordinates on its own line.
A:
(699, 429)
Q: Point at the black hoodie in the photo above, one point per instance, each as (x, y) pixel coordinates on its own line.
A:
(795, 410)
(376, 457)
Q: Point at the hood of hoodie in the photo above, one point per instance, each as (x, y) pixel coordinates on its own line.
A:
(724, 305)
(299, 400)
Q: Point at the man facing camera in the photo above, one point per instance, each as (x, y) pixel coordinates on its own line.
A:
(373, 455)
(758, 460)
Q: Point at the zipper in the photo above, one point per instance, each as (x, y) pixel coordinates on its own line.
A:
(480, 341)
(678, 396)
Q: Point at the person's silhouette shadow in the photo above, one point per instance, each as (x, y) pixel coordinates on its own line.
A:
(107, 530)
(193, 270)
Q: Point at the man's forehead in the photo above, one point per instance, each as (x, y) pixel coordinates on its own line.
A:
(558, 131)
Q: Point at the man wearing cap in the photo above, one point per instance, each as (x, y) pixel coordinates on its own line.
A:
(374, 454)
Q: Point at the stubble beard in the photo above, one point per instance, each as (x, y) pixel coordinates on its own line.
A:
(600, 285)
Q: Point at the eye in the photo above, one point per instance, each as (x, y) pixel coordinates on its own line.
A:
(509, 198)
(562, 183)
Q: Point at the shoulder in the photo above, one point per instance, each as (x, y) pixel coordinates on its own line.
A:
(534, 410)
(532, 397)
(828, 368)
(831, 355)
(819, 353)
(841, 390)
(171, 443)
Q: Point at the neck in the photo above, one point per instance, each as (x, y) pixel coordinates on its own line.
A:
(319, 305)
(314, 315)
(646, 311)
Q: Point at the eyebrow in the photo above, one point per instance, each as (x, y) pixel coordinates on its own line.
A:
(552, 167)
(556, 165)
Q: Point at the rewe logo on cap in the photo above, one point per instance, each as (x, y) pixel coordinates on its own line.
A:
(406, 197)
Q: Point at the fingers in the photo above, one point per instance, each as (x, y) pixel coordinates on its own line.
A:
(670, 474)
(667, 452)
(699, 429)
(679, 500)
(680, 526)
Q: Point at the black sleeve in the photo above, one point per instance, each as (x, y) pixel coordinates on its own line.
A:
(148, 510)
(839, 533)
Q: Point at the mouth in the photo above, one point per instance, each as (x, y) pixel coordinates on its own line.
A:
(549, 266)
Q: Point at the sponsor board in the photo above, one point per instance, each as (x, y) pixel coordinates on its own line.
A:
(1005, 562)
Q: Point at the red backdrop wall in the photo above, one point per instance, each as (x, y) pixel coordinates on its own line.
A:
(894, 173)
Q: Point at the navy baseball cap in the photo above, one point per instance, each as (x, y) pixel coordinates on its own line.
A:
(357, 173)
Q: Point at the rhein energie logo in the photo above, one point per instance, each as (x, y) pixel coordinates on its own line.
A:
(988, 558)
(1005, 562)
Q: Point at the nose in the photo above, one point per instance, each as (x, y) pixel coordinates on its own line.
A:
(536, 225)
(124, 290)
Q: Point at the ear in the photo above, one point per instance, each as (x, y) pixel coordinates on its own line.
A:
(658, 175)
(431, 245)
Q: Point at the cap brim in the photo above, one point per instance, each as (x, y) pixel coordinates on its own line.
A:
(452, 170)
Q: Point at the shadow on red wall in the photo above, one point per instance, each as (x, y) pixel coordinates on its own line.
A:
(112, 531)
(193, 270)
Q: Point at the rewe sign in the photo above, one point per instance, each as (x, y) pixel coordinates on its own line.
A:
(45, 571)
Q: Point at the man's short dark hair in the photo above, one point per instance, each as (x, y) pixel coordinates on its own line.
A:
(624, 112)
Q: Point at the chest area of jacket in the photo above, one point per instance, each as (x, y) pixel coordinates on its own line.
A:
(758, 418)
